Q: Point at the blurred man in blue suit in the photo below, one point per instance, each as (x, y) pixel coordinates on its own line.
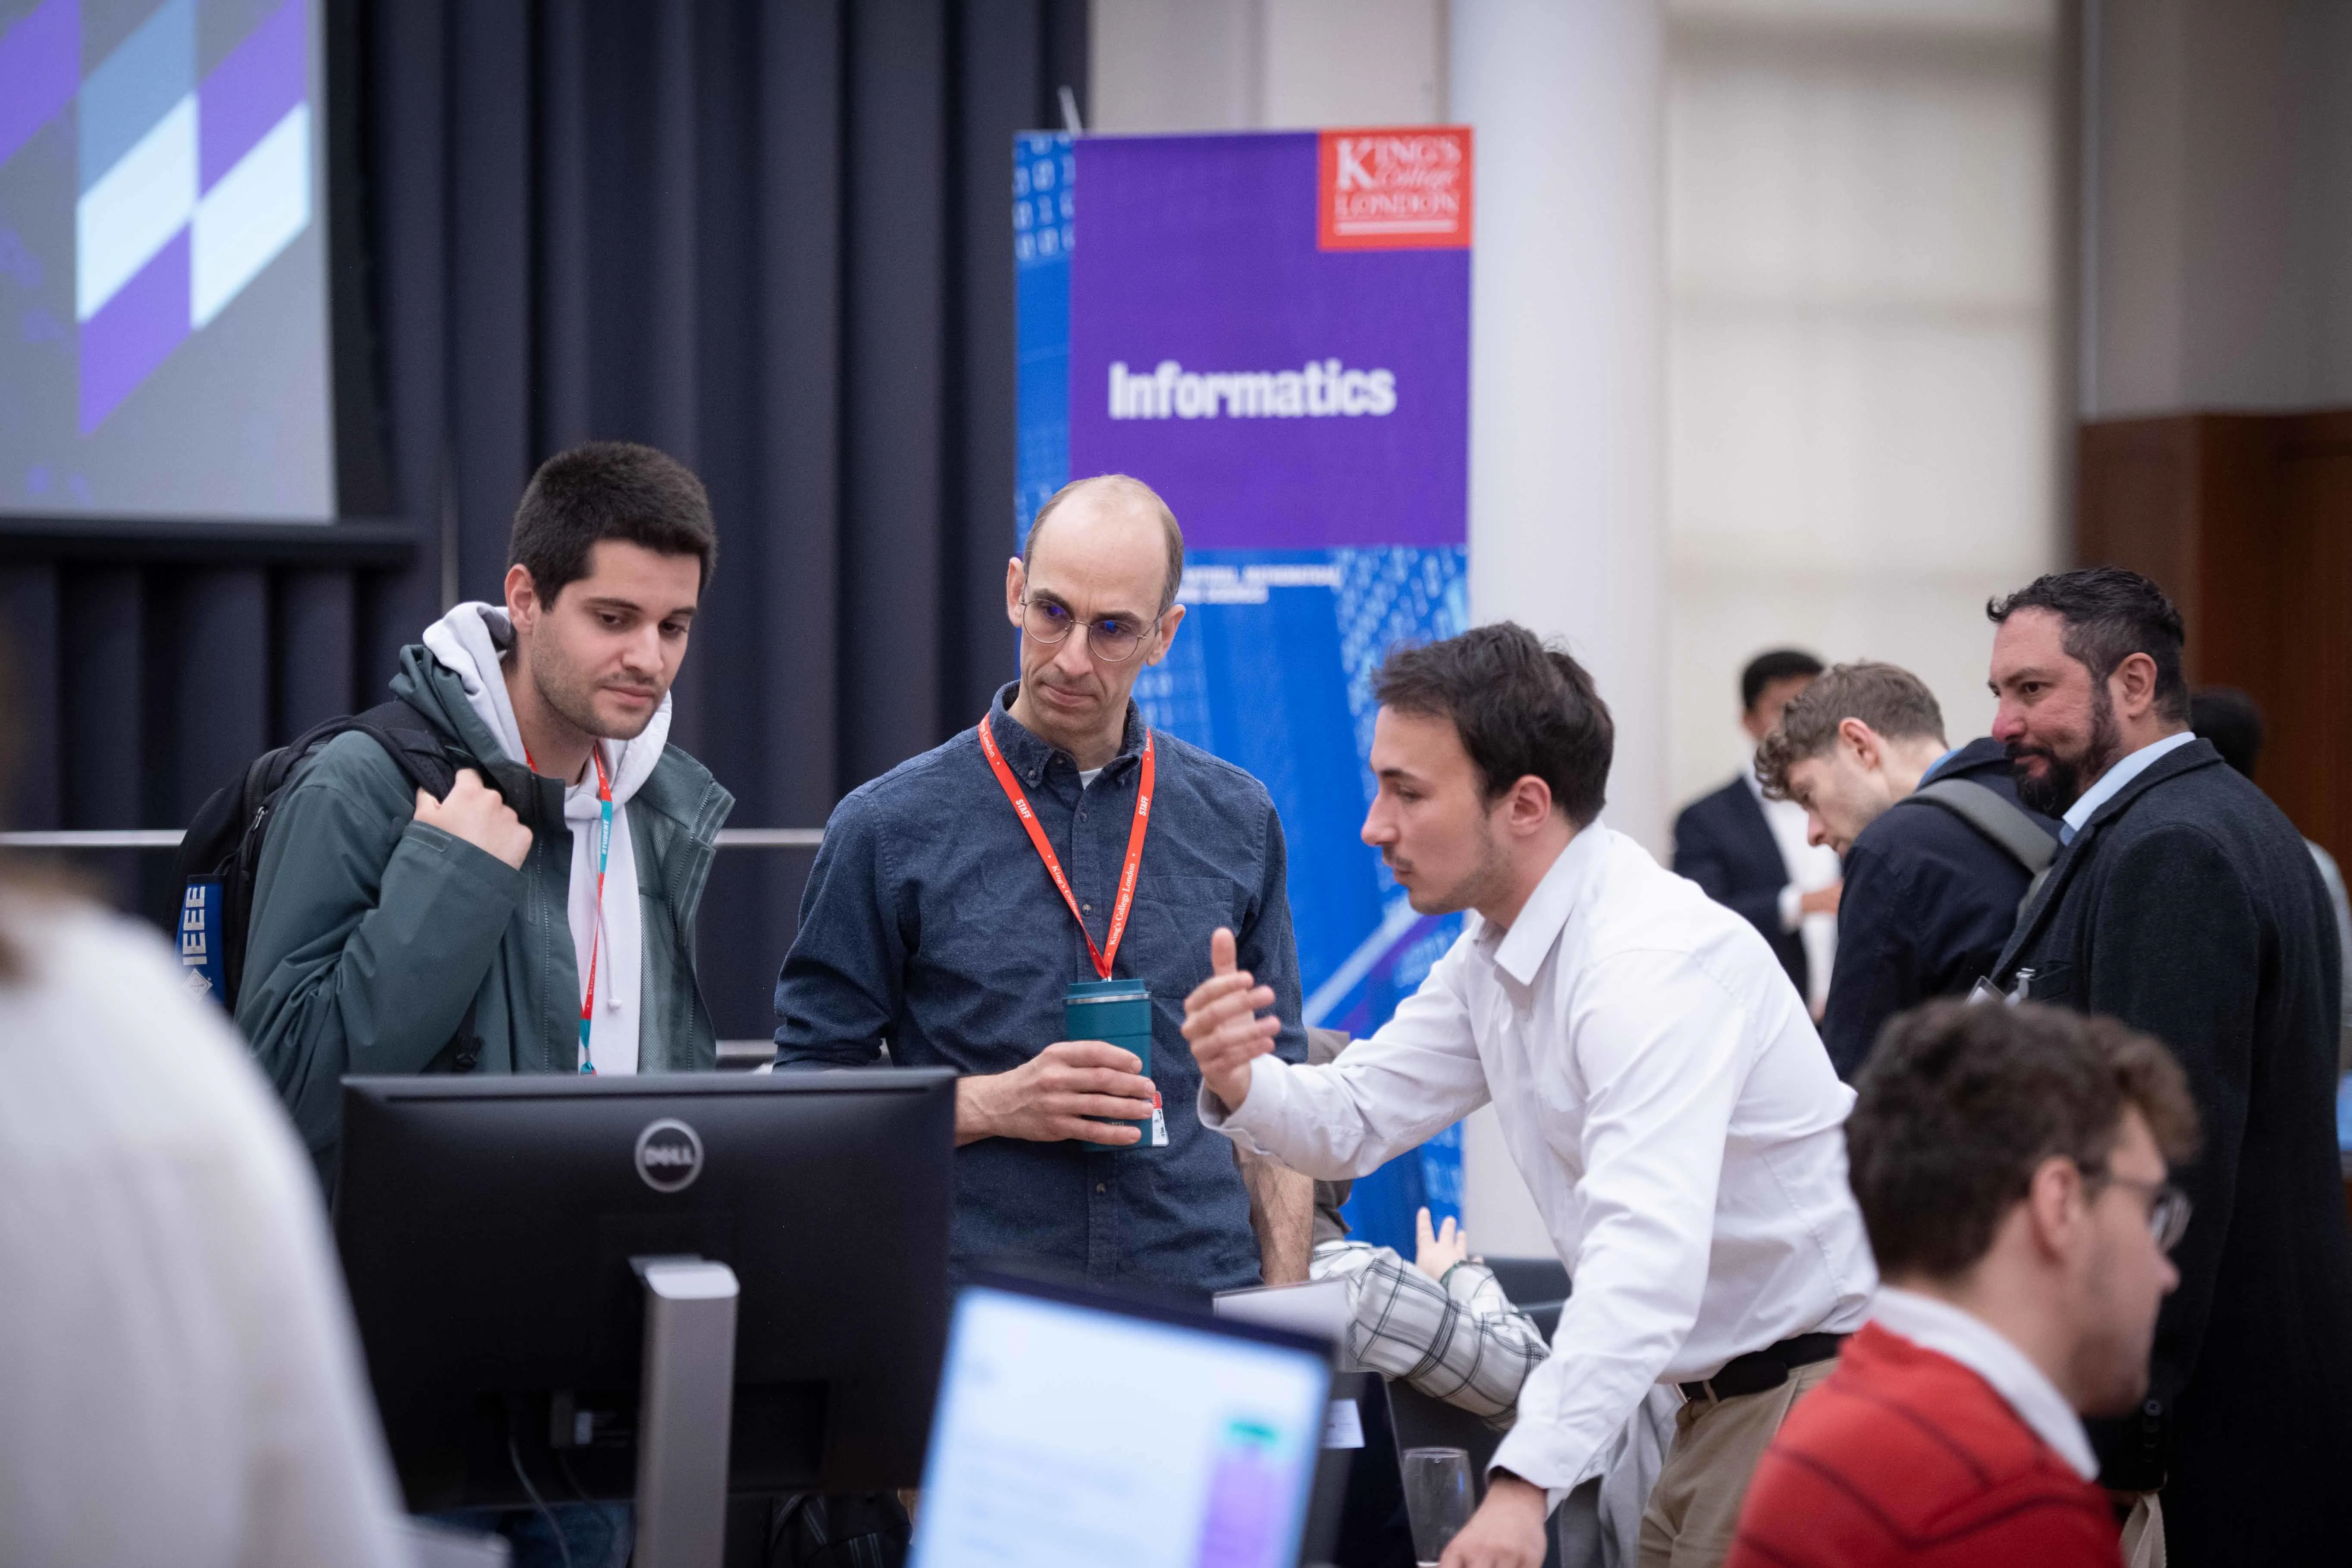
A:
(1729, 844)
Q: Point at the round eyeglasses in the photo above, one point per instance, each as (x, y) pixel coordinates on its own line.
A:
(1113, 639)
(2167, 1208)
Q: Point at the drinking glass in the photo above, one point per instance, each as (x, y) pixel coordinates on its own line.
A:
(1437, 1499)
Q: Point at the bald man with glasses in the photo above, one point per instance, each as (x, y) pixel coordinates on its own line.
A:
(1061, 842)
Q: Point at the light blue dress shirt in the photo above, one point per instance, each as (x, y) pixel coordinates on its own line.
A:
(2114, 779)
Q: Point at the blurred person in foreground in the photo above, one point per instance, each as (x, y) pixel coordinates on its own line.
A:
(2231, 721)
(935, 923)
(1931, 895)
(1750, 852)
(1439, 1322)
(2186, 906)
(1657, 1082)
(2010, 1165)
(179, 1379)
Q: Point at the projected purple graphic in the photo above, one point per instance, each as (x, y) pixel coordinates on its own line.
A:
(157, 164)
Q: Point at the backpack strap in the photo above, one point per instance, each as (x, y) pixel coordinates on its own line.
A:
(1998, 819)
(415, 746)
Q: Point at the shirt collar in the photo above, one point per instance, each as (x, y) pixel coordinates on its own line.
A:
(2112, 782)
(1520, 951)
(1028, 756)
(1949, 1331)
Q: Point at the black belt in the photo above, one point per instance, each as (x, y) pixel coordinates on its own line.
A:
(1768, 1368)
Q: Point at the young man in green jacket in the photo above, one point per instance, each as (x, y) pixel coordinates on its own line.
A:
(503, 929)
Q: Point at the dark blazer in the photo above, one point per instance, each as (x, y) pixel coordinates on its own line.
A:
(2188, 906)
(1929, 903)
(1723, 843)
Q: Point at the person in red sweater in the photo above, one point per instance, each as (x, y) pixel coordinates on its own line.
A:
(2009, 1163)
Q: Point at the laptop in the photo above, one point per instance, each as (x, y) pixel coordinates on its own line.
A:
(1074, 1431)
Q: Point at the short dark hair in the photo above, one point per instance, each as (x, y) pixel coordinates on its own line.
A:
(1131, 490)
(1889, 699)
(1958, 1104)
(1775, 664)
(2109, 615)
(1519, 707)
(2232, 721)
(609, 489)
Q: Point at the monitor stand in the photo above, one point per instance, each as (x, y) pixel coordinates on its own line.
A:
(684, 1406)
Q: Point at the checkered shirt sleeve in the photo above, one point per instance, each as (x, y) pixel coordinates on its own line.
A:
(1460, 1340)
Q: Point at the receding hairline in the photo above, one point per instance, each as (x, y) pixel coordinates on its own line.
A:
(1126, 490)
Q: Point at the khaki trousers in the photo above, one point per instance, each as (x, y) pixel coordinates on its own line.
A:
(1693, 1509)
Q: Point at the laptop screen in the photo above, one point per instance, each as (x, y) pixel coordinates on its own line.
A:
(1071, 1434)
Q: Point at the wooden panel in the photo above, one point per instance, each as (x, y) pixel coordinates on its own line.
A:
(2308, 768)
(2246, 521)
(2136, 505)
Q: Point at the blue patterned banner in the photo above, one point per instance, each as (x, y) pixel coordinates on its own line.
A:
(1326, 504)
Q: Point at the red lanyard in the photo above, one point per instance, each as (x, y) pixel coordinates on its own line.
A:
(1109, 950)
(596, 930)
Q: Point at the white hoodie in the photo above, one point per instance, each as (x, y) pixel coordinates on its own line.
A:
(468, 642)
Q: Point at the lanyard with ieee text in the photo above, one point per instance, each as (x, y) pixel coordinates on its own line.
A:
(1102, 955)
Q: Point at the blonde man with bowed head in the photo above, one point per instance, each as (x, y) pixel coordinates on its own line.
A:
(1931, 892)
(1658, 1084)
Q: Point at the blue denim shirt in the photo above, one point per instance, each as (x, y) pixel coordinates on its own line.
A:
(929, 923)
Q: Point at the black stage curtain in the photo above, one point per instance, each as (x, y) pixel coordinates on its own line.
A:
(772, 238)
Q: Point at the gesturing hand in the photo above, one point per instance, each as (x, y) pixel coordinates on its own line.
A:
(479, 815)
(1221, 1020)
(1438, 1250)
(1051, 1096)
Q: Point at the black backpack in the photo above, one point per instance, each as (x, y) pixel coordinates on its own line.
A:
(221, 852)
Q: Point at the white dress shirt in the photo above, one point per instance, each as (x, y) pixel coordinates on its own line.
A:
(1669, 1105)
(2124, 770)
(1949, 1330)
(179, 1381)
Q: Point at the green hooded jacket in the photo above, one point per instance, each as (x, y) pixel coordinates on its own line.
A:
(372, 931)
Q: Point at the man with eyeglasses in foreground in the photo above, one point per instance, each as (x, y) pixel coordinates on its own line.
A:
(2010, 1166)
(960, 897)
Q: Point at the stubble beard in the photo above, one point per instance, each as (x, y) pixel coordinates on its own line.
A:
(1477, 886)
(2111, 1362)
(574, 699)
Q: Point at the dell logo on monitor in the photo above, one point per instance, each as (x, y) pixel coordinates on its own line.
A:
(669, 1155)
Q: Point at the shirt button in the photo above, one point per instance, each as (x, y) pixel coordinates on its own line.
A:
(1088, 907)
(1101, 1188)
(1082, 816)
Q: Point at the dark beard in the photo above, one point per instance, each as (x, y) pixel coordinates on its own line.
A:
(2065, 779)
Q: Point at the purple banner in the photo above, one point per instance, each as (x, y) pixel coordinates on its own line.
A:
(1280, 395)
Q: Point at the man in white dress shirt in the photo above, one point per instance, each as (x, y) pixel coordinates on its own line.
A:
(1659, 1084)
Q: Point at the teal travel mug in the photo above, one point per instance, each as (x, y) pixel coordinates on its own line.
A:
(1118, 1012)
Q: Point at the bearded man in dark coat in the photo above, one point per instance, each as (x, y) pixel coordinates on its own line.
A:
(2185, 904)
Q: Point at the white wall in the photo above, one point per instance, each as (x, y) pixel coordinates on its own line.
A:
(2220, 242)
(1864, 260)
(1255, 65)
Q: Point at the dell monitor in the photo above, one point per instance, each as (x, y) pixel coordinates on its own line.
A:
(1075, 1431)
(503, 1238)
